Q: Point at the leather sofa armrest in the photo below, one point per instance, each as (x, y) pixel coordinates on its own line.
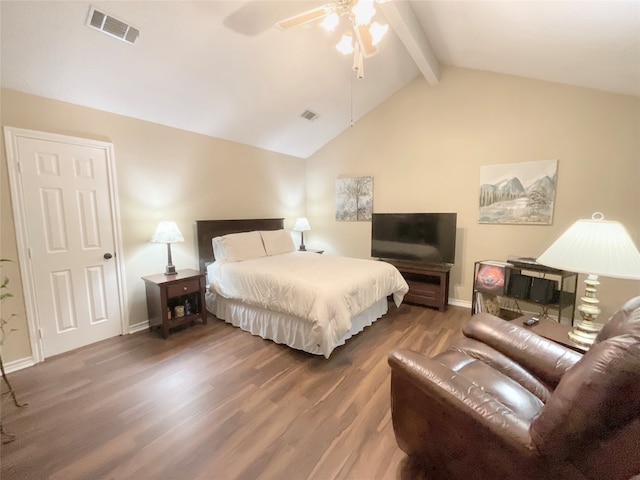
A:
(428, 398)
(544, 358)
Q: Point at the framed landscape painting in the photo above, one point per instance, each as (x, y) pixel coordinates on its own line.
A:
(518, 193)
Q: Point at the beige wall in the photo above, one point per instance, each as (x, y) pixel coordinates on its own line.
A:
(162, 173)
(425, 145)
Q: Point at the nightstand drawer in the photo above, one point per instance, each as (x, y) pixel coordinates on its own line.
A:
(182, 288)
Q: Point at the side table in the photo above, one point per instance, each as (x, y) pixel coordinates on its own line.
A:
(554, 331)
(184, 290)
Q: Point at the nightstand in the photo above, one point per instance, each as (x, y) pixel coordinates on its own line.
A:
(166, 292)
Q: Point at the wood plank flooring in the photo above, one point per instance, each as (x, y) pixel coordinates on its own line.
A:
(214, 402)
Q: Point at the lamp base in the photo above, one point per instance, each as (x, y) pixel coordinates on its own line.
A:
(171, 270)
(585, 332)
(302, 247)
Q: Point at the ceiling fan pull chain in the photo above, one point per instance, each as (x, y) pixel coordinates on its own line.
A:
(351, 99)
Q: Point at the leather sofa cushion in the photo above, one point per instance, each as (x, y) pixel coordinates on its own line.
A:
(540, 357)
(505, 365)
(499, 386)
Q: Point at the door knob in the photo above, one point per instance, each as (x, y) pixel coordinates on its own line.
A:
(107, 256)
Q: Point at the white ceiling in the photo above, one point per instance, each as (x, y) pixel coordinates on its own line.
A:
(222, 69)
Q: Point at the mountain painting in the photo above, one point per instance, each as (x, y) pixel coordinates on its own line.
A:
(518, 193)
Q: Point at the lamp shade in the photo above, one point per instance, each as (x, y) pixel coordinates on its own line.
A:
(301, 225)
(167, 232)
(595, 247)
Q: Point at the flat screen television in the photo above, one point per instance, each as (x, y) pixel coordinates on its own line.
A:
(428, 238)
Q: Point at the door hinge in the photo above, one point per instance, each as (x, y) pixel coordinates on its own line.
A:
(40, 333)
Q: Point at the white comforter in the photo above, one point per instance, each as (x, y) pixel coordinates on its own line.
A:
(323, 289)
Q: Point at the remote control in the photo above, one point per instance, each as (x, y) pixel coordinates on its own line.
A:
(531, 321)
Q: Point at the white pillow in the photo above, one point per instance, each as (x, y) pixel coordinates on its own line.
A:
(277, 242)
(236, 247)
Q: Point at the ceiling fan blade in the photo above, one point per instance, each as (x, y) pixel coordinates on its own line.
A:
(366, 41)
(304, 17)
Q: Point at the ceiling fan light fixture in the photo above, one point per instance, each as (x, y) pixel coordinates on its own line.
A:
(331, 21)
(363, 11)
(345, 45)
(378, 31)
(363, 36)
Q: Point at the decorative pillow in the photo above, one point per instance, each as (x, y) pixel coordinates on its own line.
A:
(277, 242)
(236, 247)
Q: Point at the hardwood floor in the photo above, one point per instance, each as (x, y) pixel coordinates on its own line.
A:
(214, 402)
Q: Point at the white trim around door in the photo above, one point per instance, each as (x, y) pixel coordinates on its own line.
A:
(12, 139)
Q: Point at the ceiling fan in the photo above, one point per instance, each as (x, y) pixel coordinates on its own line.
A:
(363, 33)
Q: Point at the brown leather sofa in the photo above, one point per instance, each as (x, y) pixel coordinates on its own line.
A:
(505, 403)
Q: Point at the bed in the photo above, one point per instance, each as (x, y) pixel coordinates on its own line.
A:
(259, 282)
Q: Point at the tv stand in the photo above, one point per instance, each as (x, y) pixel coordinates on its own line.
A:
(428, 284)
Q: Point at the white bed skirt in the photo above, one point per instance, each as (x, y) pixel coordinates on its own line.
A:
(285, 329)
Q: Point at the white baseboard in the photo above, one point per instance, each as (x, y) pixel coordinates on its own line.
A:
(460, 303)
(139, 327)
(19, 364)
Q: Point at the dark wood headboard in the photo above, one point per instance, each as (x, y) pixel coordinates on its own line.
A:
(207, 229)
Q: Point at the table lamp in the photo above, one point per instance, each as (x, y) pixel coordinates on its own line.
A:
(594, 247)
(302, 225)
(168, 232)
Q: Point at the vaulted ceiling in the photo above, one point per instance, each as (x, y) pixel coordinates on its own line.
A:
(221, 68)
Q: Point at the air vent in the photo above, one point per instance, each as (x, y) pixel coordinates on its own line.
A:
(309, 115)
(112, 26)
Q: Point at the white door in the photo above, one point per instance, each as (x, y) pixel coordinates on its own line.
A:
(67, 216)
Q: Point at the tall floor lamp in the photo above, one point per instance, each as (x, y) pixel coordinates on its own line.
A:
(168, 232)
(594, 247)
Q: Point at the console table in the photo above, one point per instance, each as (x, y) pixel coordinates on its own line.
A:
(428, 284)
